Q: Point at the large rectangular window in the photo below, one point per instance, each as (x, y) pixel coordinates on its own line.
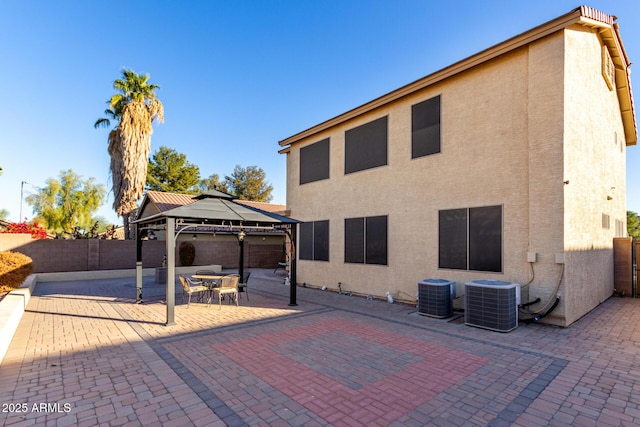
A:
(471, 239)
(425, 128)
(365, 240)
(354, 240)
(314, 241)
(452, 238)
(314, 162)
(365, 146)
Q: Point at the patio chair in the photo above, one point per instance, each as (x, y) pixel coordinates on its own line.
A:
(190, 287)
(228, 286)
(243, 284)
(283, 265)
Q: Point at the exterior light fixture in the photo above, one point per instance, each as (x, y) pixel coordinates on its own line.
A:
(241, 235)
(195, 237)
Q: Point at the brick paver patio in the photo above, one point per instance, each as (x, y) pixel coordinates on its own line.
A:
(85, 354)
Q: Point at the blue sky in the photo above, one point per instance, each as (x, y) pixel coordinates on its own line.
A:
(236, 77)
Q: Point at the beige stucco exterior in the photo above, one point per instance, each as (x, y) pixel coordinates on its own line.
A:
(534, 129)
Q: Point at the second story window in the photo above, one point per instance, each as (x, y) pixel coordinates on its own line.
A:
(425, 128)
(314, 162)
(365, 146)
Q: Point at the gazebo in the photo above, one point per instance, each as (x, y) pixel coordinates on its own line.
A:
(213, 211)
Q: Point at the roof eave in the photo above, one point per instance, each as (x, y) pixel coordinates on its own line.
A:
(610, 36)
(445, 73)
(145, 201)
(582, 15)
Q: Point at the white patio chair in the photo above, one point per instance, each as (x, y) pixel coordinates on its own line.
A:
(190, 287)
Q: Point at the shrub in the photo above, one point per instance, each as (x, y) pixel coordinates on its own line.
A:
(34, 229)
(14, 269)
(187, 253)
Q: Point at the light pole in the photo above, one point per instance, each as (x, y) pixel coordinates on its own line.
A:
(21, 196)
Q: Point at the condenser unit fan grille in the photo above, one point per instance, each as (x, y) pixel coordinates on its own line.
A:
(492, 304)
(435, 297)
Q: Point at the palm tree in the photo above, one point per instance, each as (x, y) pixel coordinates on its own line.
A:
(134, 107)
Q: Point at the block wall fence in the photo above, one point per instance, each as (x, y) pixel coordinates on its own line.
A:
(51, 256)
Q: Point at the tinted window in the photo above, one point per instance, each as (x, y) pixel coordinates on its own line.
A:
(425, 128)
(366, 146)
(376, 240)
(314, 241)
(471, 239)
(314, 162)
(305, 247)
(485, 238)
(452, 238)
(354, 240)
(321, 240)
(365, 240)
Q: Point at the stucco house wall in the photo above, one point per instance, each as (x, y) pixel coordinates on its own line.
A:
(594, 162)
(535, 130)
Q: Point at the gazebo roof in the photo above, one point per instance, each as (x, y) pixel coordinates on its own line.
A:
(217, 208)
(214, 211)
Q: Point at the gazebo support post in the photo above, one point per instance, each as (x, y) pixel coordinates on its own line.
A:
(139, 267)
(241, 266)
(292, 267)
(171, 270)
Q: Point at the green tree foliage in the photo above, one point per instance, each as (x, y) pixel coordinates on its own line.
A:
(633, 225)
(132, 87)
(249, 184)
(213, 183)
(67, 203)
(170, 171)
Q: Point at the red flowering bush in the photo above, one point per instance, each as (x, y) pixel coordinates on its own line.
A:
(34, 229)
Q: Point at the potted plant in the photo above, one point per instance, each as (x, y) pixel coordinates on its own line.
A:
(187, 253)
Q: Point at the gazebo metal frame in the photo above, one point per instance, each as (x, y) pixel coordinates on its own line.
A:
(213, 211)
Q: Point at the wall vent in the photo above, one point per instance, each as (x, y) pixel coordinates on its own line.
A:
(608, 68)
(492, 304)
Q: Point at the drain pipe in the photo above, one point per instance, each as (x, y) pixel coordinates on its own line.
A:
(553, 307)
(548, 307)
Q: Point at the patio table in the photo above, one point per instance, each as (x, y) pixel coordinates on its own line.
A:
(211, 281)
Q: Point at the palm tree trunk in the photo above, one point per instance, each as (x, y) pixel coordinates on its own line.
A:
(129, 146)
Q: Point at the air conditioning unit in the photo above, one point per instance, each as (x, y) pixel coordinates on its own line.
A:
(492, 304)
(435, 297)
